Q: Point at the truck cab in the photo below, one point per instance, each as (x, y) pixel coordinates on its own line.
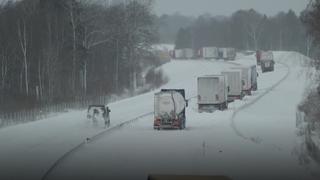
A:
(267, 65)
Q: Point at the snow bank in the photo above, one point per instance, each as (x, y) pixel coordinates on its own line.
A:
(210, 140)
(262, 135)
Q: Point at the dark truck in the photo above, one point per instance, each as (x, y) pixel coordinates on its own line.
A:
(267, 65)
(170, 109)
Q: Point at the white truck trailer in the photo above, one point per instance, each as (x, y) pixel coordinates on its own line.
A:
(169, 109)
(246, 79)
(178, 54)
(185, 53)
(209, 53)
(227, 53)
(212, 93)
(188, 53)
(234, 84)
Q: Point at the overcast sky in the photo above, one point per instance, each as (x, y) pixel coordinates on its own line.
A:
(227, 7)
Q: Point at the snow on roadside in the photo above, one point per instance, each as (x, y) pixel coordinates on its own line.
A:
(207, 146)
(38, 144)
(50, 138)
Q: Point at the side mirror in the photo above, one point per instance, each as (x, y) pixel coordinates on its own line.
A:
(187, 103)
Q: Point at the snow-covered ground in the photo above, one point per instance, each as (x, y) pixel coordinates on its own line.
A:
(254, 137)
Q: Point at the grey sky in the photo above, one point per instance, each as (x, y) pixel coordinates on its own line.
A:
(227, 7)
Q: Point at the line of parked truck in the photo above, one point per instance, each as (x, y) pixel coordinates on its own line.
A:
(214, 91)
(205, 53)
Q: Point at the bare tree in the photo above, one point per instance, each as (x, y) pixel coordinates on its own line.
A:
(22, 34)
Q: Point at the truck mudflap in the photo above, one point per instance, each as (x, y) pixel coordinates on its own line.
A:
(247, 92)
(171, 124)
(210, 108)
(232, 98)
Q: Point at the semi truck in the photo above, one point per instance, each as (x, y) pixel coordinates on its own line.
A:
(212, 93)
(246, 79)
(227, 53)
(209, 53)
(186, 53)
(170, 109)
(267, 65)
(235, 84)
(178, 54)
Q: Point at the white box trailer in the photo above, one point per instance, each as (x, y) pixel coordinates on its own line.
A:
(227, 53)
(188, 53)
(183, 53)
(169, 109)
(246, 79)
(178, 54)
(209, 52)
(212, 92)
(234, 83)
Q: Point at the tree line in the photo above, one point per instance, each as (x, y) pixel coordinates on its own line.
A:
(54, 51)
(246, 30)
(310, 17)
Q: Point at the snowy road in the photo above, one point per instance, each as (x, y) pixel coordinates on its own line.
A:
(32, 148)
(258, 140)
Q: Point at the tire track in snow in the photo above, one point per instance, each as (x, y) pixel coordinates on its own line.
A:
(257, 140)
(88, 140)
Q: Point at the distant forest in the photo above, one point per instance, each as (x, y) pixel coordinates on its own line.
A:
(58, 51)
(244, 30)
(55, 51)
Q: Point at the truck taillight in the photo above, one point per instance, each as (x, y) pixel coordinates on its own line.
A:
(157, 121)
(176, 122)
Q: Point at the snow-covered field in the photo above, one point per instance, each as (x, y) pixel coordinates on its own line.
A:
(254, 137)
